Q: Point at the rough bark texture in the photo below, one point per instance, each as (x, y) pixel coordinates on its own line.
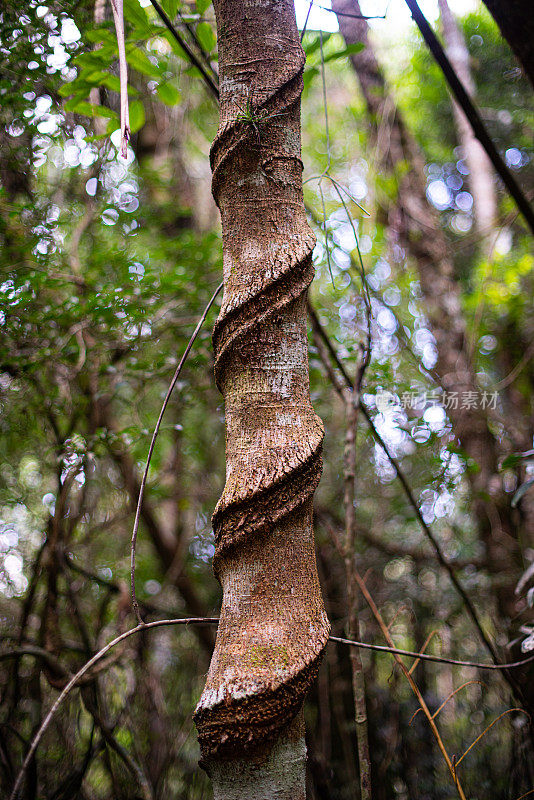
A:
(273, 626)
(418, 228)
(481, 181)
(516, 21)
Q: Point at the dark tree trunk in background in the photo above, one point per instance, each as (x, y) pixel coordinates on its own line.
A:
(515, 18)
(417, 226)
(273, 627)
(481, 180)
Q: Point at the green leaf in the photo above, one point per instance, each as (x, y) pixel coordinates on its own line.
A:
(77, 104)
(81, 106)
(203, 5)
(308, 76)
(347, 51)
(100, 35)
(136, 16)
(93, 77)
(206, 37)
(67, 89)
(315, 44)
(104, 111)
(170, 7)
(137, 116)
(112, 83)
(175, 47)
(169, 94)
(139, 61)
(112, 126)
(82, 85)
(96, 59)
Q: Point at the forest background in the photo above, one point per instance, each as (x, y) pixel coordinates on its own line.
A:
(107, 265)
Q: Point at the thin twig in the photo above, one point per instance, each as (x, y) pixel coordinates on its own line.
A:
(199, 47)
(143, 626)
(423, 648)
(453, 693)
(130, 762)
(432, 539)
(353, 629)
(427, 657)
(321, 334)
(320, 188)
(415, 689)
(447, 699)
(365, 296)
(350, 16)
(118, 18)
(479, 737)
(135, 604)
(325, 104)
(467, 106)
(306, 21)
(210, 83)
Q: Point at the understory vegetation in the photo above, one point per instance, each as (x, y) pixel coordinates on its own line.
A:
(106, 266)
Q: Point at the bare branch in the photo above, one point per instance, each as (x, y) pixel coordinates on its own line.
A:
(471, 113)
(210, 83)
(176, 375)
(320, 334)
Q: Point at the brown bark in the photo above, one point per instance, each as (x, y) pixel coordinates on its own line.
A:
(516, 21)
(273, 626)
(481, 181)
(353, 627)
(419, 232)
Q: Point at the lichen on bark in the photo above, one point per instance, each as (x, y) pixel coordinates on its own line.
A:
(273, 627)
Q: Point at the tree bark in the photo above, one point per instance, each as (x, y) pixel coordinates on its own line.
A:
(481, 180)
(353, 627)
(273, 627)
(516, 22)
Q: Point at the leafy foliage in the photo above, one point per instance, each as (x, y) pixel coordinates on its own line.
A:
(105, 268)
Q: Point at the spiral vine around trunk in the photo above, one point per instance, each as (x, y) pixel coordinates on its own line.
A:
(273, 626)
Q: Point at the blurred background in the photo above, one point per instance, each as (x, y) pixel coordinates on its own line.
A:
(106, 265)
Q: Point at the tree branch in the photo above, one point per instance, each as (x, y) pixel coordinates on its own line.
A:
(467, 106)
(210, 83)
(321, 336)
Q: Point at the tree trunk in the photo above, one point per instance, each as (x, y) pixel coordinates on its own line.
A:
(353, 628)
(481, 181)
(273, 627)
(516, 21)
(419, 232)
